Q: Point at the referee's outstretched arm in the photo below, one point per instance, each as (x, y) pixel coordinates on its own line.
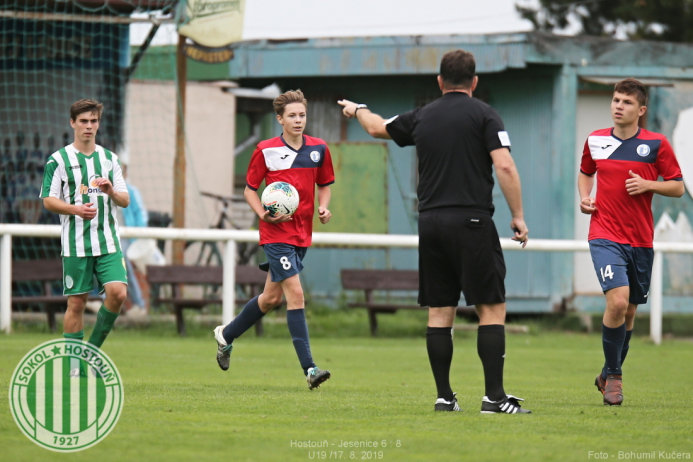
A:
(370, 121)
(508, 177)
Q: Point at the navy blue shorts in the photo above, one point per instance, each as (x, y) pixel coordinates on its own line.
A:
(285, 260)
(619, 265)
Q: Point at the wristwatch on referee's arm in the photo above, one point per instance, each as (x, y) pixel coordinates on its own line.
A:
(359, 106)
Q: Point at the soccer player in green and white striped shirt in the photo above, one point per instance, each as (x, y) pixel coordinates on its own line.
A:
(83, 183)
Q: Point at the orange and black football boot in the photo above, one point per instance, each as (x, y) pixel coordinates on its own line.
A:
(613, 391)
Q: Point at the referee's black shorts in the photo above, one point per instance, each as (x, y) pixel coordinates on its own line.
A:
(459, 250)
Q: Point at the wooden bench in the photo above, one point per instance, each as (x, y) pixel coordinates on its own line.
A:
(251, 278)
(387, 280)
(44, 272)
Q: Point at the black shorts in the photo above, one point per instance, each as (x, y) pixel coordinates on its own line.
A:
(459, 251)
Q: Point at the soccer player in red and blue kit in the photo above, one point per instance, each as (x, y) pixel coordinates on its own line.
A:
(628, 160)
(303, 162)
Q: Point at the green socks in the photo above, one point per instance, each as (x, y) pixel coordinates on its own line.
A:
(104, 324)
(75, 335)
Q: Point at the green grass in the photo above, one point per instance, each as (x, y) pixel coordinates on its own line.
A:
(180, 407)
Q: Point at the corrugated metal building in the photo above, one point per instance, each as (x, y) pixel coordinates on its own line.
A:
(551, 92)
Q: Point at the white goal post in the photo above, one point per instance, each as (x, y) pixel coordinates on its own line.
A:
(231, 237)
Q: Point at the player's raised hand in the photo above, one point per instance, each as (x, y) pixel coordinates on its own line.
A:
(324, 215)
(349, 107)
(85, 211)
(267, 218)
(636, 184)
(521, 232)
(587, 205)
(105, 185)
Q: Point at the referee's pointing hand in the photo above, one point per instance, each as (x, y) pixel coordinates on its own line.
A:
(349, 107)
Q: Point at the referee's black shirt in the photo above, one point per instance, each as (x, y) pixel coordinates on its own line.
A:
(454, 136)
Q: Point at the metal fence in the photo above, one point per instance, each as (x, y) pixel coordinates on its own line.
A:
(231, 237)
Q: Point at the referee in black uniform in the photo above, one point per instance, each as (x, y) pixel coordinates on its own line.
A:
(459, 140)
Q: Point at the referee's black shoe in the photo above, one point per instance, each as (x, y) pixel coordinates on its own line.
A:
(509, 405)
(447, 406)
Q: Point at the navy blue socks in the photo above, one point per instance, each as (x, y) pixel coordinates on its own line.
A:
(626, 345)
(624, 351)
(296, 319)
(613, 341)
(246, 318)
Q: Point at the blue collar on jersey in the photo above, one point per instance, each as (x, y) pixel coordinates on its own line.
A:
(303, 137)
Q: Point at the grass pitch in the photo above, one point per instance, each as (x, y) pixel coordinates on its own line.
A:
(179, 406)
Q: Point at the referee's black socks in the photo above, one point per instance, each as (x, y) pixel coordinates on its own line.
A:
(490, 345)
(439, 346)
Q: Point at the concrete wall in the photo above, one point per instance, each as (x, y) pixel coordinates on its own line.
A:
(210, 141)
(593, 112)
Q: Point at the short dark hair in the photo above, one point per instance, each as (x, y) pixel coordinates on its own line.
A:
(457, 68)
(85, 105)
(632, 87)
(291, 96)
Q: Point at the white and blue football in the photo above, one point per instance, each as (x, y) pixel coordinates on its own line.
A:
(280, 198)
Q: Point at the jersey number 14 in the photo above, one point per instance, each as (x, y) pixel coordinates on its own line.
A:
(606, 273)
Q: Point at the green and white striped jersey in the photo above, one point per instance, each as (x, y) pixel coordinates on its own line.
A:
(70, 177)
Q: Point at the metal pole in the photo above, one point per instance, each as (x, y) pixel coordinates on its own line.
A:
(656, 299)
(142, 50)
(103, 19)
(6, 284)
(229, 291)
(179, 166)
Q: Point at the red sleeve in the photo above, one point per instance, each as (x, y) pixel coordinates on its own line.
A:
(666, 163)
(326, 171)
(257, 170)
(587, 166)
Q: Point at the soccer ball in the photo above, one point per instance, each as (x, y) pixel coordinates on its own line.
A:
(280, 198)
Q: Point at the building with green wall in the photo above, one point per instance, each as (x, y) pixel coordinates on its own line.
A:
(551, 92)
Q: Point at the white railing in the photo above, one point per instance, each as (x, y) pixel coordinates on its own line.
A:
(231, 237)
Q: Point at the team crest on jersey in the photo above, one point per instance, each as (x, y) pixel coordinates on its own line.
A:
(643, 150)
(315, 156)
(107, 165)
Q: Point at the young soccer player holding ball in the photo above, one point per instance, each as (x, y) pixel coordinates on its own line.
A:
(303, 162)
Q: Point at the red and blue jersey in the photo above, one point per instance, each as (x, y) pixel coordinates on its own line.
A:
(274, 160)
(620, 217)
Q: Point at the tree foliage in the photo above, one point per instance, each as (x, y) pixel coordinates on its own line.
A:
(668, 20)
